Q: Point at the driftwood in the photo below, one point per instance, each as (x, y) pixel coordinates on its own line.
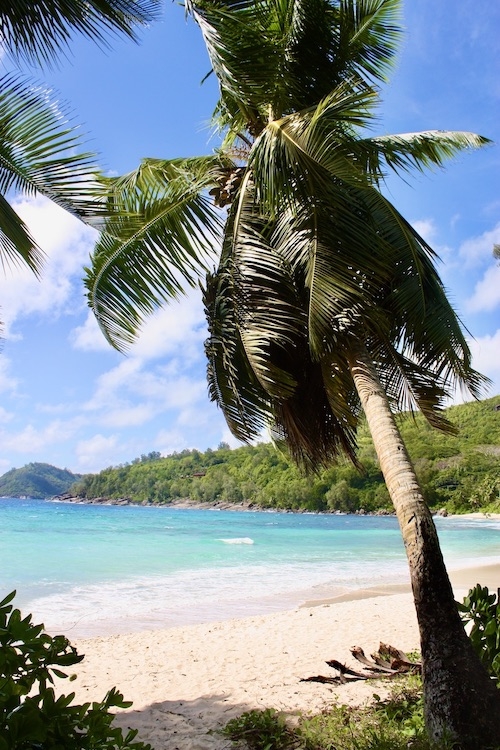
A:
(387, 662)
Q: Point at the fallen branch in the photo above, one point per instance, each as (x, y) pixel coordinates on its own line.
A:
(387, 662)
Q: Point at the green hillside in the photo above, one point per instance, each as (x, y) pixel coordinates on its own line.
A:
(36, 480)
(460, 472)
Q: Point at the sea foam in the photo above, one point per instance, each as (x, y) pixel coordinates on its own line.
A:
(238, 540)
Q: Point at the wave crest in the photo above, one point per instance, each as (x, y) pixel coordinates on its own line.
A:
(238, 540)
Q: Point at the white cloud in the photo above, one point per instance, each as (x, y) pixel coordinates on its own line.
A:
(129, 416)
(177, 328)
(185, 392)
(5, 465)
(59, 234)
(426, 229)
(8, 383)
(171, 441)
(33, 441)
(476, 251)
(66, 243)
(96, 452)
(133, 395)
(112, 383)
(486, 357)
(486, 296)
(89, 337)
(164, 387)
(5, 416)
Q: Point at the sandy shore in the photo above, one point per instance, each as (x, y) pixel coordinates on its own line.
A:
(185, 683)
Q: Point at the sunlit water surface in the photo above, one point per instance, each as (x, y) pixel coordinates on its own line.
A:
(91, 569)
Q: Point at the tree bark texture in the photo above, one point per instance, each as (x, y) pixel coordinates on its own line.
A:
(460, 699)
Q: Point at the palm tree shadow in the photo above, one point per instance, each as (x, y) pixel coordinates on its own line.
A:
(183, 724)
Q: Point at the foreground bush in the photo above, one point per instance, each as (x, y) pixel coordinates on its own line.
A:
(31, 716)
(482, 609)
(393, 724)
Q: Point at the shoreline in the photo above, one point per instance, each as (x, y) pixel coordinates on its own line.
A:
(462, 580)
(187, 504)
(187, 682)
(89, 623)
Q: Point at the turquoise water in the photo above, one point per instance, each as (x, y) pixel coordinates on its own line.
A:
(89, 569)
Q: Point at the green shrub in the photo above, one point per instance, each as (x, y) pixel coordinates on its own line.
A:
(31, 716)
(405, 708)
(482, 609)
(261, 730)
(395, 723)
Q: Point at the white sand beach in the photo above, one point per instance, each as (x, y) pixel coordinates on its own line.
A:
(187, 682)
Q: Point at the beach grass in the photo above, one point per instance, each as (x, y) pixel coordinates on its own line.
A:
(393, 723)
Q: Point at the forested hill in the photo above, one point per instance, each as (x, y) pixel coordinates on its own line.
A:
(460, 472)
(36, 480)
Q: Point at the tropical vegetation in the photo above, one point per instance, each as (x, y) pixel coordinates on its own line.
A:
(392, 723)
(325, 302)
(31, 716)
(457, 472)
(40, 149)
(481, 610)
(36, 480)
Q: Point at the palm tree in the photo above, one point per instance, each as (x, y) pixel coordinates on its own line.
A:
(37, 31)
(326, 303)
(40, 151)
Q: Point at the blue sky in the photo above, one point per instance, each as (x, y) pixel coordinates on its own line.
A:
(66, 397)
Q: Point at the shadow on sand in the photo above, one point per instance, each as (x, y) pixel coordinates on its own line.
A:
(184, 724)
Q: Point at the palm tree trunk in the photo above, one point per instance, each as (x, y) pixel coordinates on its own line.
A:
(460, 698)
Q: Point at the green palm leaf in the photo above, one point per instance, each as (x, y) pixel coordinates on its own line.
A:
(259, 368)
(36, 31)
(324, 141)
(274, 57)
(315, 261)
(162, 236)
(405, 152)
(36, 149)
(16, 243)
(269, 311)
(39, 153)
(232, 384)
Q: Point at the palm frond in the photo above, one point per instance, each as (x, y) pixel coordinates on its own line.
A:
(300, 153)
(37, 146)
(277, 57)
(163, 233)
(435, 340)
(16, 242)
(232, 384)
(36, 31)
(405, 152)
(241, 53)
(411, 387)
(308, 425)
(328, 245)
(370, 31)
(261, 372)
(269, 312)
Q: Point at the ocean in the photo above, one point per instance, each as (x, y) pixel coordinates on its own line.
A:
(87, 570)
